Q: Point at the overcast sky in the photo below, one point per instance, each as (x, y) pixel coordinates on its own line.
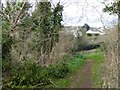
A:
(78, 12)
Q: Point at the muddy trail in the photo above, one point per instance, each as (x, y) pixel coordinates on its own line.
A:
(83, 78)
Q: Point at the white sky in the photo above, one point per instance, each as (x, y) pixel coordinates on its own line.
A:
(78, 12)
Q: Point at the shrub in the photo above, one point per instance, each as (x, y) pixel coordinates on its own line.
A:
(5, 65)
(59, 70)
(89, 34)
(30, 74)
(88, 47)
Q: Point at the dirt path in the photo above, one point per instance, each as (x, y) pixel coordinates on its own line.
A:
(82, 79)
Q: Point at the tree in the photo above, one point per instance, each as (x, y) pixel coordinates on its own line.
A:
(86, 26)
(12, 14)
(84, 29)
(114, 8)
(46, 24)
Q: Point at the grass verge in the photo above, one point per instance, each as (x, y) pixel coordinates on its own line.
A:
(98, 59)
(74, 64)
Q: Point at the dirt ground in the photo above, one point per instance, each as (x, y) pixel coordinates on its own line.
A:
(82, 79)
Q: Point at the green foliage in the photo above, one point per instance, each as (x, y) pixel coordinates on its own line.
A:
(113, 8)
(5, 39)
(89, 34)
(98, 56)
(30, 74)
(44, 25)
(5, 65)
(83, 47)
(74, 63)
(63, 83)
(59, 70)
(47, 21)
(12, 15)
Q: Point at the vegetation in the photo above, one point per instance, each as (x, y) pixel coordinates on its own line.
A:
(32, 75)
(37, 53)
(77, 62)
(45, 22)
(98, 60)
(113, 8)
(110, 74)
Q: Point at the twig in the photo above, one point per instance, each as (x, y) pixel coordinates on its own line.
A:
(53, 83)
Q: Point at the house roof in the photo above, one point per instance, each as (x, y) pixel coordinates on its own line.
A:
(95, 32)
(74, 30)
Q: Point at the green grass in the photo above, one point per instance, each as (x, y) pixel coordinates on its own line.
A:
(74, 64)
(63, 83)
(97, 56)
(98, 59)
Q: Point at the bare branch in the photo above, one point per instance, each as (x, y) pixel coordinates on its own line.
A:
(19, 14)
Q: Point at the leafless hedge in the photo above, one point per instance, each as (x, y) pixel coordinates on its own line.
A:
(110, 70)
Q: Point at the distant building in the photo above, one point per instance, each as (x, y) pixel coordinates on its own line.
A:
(92, 30)
(82, 30)
(95, 31)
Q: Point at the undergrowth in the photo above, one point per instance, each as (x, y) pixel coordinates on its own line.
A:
(32, 75)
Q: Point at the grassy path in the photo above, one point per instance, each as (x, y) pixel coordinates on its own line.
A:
(86, 75)
(89, 76)
(85, 72)
(82, 79)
